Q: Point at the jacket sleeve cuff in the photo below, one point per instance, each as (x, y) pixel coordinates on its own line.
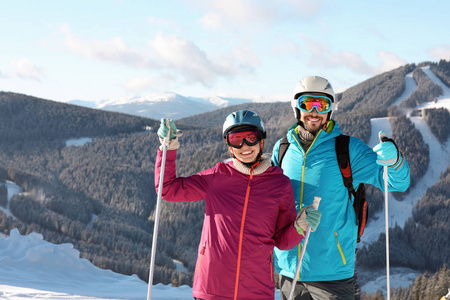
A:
(173, 144)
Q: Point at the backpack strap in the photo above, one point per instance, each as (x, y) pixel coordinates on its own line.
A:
(343, 157)
(284, 144)
(360, 203)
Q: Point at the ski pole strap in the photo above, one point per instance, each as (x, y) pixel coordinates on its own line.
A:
(300, 231)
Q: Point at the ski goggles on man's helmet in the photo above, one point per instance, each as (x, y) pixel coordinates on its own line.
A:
(307, 103)
(237, 138)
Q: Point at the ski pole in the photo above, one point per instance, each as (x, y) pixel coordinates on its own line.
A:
(302, 253)
(158, 203)
(386, 216)
(384, 138)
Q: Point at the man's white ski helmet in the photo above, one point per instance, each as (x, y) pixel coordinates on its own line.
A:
(312, 84)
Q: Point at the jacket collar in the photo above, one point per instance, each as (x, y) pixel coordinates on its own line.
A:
(331, 130)
(261, 168)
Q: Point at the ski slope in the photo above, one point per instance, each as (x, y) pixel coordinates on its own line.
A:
(401, 211)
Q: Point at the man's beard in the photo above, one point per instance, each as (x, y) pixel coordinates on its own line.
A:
(312, 130)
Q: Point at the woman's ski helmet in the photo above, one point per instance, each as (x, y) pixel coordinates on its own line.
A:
(243, 118)
(312, 84)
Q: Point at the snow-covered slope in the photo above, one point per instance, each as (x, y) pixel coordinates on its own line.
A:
(400, 211)
(32, 268)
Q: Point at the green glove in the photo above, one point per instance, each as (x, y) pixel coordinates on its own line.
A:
(307, 216)
(164, 130)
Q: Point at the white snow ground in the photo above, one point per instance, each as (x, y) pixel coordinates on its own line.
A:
(31, 268)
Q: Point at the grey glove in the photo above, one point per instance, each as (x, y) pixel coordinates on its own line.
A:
(307, 216)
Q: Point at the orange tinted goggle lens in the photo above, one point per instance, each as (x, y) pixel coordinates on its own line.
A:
(308, 102)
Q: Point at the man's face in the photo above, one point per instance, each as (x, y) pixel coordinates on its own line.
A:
(313, 121)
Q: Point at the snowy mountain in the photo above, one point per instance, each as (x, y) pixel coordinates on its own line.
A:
(169, 105)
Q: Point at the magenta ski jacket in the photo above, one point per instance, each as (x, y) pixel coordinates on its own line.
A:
(245, 217)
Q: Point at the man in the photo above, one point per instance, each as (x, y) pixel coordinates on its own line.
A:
(310, 162)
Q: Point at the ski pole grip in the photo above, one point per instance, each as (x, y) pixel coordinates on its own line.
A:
(316, 202)
(383, 137)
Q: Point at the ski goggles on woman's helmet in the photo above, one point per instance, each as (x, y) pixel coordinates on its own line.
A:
(236, 139)
(307, 103)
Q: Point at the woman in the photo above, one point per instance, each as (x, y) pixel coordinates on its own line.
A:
(249, 209)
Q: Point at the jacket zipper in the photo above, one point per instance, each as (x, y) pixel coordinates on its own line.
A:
(241, 236)
(302, 183)
(304, 162)
(339, 248)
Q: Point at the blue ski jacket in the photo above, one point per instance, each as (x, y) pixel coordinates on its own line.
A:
(330, 253)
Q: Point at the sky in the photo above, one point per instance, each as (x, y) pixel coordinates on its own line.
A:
(98, 50)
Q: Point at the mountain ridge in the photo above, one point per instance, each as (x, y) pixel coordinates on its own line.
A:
(170, 105)
(157, 106)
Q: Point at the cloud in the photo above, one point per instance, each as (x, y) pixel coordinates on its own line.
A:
(162, 82)
(211, 20)
(440, 52)
(183, 56)
(390, 61)
(246, 58)
(27, 70)
(194, 65)
(177, 58)
(303, 7)
(242, 12)
(113, 50)
(139, 84)
(321, 56)
(239, 11)
(161, 22)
